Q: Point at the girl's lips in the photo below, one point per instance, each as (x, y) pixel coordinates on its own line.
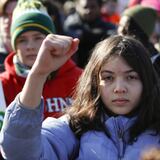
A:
(120, 101)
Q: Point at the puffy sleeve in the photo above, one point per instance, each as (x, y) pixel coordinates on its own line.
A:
(23, 136)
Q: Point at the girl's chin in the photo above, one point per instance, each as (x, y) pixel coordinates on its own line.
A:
(29, 64)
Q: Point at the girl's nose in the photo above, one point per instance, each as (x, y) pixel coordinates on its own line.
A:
(30, 45)
(120, 87)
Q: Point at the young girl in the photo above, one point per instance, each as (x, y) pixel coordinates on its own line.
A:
(115, 114)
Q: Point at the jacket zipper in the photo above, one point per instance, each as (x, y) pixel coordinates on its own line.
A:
(120, 134)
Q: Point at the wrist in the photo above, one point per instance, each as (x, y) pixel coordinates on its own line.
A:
(37, 76)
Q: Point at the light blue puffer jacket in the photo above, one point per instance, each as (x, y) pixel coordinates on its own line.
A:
(23, 139)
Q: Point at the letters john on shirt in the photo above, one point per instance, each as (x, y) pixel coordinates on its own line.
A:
(56, 105)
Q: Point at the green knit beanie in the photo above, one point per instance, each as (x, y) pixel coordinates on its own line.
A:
(30, 15)
(145, 17)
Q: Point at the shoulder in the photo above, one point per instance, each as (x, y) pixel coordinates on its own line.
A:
(149, 137)
(58, 133)
(60, 130)
(54, 123)
(145, 141)
(8, 78)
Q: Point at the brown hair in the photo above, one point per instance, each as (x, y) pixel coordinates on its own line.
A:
(88, 110)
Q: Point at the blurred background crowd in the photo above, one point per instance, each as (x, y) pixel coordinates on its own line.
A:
(89, 20)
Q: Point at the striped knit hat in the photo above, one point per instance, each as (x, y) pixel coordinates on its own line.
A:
(30, 15)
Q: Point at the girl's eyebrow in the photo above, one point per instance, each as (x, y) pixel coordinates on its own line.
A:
(108, 71)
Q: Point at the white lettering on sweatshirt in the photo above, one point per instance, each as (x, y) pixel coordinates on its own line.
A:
(57, 104)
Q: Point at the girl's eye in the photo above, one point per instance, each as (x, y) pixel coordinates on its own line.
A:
(108, 78)
(21, 40)
(39, 38)
(132, 77)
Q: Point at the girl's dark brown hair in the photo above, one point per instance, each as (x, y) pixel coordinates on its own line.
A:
(87, 111)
